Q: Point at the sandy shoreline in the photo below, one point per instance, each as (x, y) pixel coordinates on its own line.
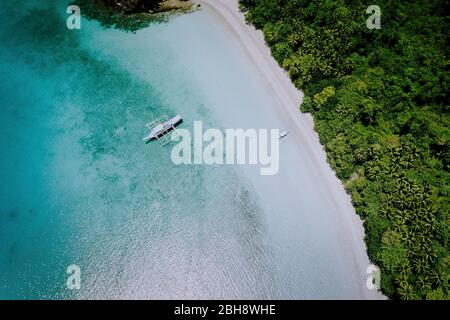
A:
(301, 127)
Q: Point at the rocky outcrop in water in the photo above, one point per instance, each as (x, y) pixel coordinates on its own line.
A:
(137, 6)
(131, 15)
(133, 6)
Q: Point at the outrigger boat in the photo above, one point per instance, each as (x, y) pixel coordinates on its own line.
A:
(160, 127)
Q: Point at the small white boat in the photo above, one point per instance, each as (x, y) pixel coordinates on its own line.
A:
(161, 126)
(283, 134)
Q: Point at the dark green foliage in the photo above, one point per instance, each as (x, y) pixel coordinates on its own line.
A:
(128, 15)
(132, 6)
(111, 16)
(380, 105)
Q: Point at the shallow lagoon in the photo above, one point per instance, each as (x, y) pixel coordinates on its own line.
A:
(80, 187)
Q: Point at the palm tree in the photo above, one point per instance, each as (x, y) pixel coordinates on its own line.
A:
(293, 39)
(420, 265)
(405, 291)
(292, 65)
(424, 282)
(437, 278)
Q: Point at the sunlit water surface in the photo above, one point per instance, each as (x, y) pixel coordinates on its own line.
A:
(78, 186)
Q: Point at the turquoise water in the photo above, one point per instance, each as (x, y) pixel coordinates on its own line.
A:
(80, 187)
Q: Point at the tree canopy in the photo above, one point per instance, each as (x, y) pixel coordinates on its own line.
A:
(379, 98)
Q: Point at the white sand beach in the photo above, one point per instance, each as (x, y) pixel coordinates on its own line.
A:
(301, 128)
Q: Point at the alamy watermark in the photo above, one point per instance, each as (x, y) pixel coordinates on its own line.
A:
(235, 146)
(374, 20)
(73, 281)
(74, 20)
(374, 280)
